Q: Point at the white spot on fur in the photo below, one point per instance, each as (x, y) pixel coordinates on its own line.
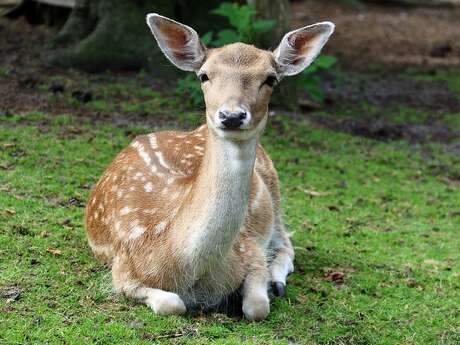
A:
(140, 149)
(138, 176)
(148, 187)
(258, 195)
(102, 250)
(153, 141)
(159, 228)
(117, 226)
(150, 210)
(126, 210)
(136, 232)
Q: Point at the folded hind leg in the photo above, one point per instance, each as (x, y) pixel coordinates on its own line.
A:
(162, 302)
(283, 260)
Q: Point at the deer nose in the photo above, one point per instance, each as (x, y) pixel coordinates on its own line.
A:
(232, 119)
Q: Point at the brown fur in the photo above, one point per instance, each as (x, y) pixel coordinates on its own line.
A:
(188, 217)
(153, 259)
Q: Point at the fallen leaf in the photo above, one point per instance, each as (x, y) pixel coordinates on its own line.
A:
(302, 299)
(53, 251)
(4, 189)
(336, 277)
(12, 294)
(10, 211)
(315, 193)
(8, 145)
(333, 208)
(186, 332)
(450, 182)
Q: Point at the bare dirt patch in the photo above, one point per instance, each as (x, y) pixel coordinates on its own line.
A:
(385, 131)
(391, 36)
(389, 89)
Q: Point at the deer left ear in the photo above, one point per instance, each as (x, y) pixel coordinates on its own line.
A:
(180, 43)
(299, 48)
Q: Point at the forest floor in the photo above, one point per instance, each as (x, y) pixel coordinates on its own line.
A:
(370, 185)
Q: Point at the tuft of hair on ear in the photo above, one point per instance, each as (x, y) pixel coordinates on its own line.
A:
(178, 42)
(299, 48)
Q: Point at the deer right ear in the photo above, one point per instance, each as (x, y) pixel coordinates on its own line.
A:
(180, 43)
(299, 48)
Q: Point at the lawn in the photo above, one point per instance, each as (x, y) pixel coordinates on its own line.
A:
(376, 226)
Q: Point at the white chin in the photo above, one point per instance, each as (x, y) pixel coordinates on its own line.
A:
(238, 135)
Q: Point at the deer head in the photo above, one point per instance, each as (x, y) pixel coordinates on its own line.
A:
(238, 79)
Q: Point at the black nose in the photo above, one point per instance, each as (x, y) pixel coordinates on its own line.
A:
(232, 120)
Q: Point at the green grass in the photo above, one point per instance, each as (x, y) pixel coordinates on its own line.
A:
(450, 77)
(390, 225)
(397, 114)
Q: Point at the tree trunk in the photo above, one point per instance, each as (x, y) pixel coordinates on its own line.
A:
(286, 94)
(112, 34)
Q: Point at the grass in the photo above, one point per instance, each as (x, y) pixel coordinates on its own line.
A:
(377, 256)
(450, 77)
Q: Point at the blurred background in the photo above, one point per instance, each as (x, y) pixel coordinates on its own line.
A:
(366, 142)
(55, 54)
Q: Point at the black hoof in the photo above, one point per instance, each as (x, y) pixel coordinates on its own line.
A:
(279, 289)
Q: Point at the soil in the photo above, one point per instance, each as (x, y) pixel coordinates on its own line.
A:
(384, 131)
(391, 36)
(389, 89)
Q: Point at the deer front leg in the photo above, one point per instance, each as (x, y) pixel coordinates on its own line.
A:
(256, 304)
(282, 263)
(162, 302)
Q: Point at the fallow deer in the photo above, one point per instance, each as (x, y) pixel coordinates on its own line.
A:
(186, 218)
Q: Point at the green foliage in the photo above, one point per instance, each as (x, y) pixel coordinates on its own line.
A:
(191, 88)
(244, 29)
(241, 19)
(4, 72)
(310, 81)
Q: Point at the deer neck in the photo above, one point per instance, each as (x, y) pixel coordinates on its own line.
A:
(219, 199)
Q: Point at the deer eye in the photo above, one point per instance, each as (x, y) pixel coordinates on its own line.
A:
(203, 77)
(270, 81)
